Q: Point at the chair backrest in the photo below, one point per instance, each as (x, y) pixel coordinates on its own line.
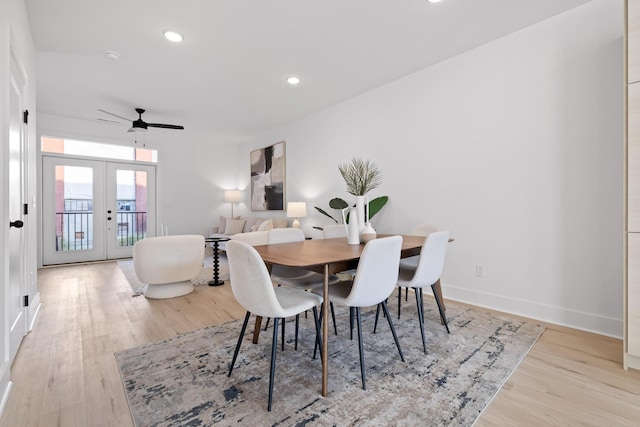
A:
(253, 238)
(285, 235)
(431, 260)
(377, 272)
(168, 259)
(423, 230)
(250, 280)
(334, 231)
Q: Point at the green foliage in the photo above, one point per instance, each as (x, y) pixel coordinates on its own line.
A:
(375, 206)
(361, 176)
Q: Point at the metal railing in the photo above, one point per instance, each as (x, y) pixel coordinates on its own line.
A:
(74, 230)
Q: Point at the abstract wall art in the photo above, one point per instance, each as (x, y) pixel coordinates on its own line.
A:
(267, 178)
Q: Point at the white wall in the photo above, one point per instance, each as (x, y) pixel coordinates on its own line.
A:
(15, 34)
(516, 147)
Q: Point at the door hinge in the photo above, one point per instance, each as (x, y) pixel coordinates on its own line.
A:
(26, 300)
(25, 210)
(25, 117)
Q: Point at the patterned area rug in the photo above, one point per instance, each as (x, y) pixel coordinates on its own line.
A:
(183, 380)
(126, 266)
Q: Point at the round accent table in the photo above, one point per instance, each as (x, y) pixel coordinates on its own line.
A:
(216, 259)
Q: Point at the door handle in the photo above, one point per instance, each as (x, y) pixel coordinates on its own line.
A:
(16, 224)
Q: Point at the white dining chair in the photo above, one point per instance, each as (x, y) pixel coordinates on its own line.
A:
(427, 273)
(253, 289)
(412, 262)
(375, 279)
(296, 277)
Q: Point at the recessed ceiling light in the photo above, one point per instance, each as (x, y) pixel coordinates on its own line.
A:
(293, 80)
(435, 1)
(172, 36)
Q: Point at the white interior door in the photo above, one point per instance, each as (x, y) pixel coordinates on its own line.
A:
(17, 194)
(73, 210)
(131, 201)
(95, 210)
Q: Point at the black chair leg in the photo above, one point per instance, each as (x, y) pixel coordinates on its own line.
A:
(406, 294)
(443, 316)
(351, 314)
(333, 317)
(399, 300)
(266, 324)
(375, 324)
(235, 353)
(393, 330)
(297, 323)
(421, 318)
(274, 350)
(283, 324)
(361, 348)
(318, 340)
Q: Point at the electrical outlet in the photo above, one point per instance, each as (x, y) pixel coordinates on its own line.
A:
(480, 271)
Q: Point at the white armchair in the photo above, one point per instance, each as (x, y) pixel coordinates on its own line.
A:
(167, 264)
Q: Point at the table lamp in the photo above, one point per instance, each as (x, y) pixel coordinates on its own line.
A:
(296, 210)
(232, 196)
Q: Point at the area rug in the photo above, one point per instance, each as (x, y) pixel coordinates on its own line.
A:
(183, 381)
(206, 274)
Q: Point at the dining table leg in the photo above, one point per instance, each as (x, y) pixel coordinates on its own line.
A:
(256, 329)
(325, 332)
(438, 289)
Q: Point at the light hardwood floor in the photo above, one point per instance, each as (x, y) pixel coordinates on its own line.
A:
(65, 372)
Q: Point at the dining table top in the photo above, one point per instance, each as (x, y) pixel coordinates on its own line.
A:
(310, 253)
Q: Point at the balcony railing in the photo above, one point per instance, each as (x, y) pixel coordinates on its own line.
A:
(74, 230)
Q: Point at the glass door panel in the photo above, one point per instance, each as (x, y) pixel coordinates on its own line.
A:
(73, 210)
(131, 196)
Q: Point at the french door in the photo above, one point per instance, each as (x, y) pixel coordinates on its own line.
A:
(95, 210)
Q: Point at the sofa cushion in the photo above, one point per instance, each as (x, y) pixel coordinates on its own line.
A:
(266, 225)
(250, 222)
(280, 222)
(234, 226)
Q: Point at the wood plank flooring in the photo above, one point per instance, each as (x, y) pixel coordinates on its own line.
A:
(65, 372)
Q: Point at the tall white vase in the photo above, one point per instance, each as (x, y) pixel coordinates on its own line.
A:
(361, 207)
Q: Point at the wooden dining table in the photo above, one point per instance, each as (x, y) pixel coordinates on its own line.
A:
(325, 256)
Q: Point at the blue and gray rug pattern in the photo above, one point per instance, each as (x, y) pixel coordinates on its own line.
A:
(183, 381)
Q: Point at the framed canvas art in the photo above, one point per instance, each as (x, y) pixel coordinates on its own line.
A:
(267, 178)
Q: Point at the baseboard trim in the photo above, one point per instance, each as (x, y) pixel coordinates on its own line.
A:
(34, 310)
(6, 391)
(588, 322)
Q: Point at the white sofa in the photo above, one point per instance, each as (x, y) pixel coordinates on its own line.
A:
(227, 227)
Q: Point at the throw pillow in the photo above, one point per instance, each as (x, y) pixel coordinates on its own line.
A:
(234, 226)
(222, 223)
(266, 225)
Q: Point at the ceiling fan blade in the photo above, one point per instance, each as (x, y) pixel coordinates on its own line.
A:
(160, 125)
(115, 115)
(108, 121)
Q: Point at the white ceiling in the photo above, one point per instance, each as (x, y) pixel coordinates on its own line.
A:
(226, 80)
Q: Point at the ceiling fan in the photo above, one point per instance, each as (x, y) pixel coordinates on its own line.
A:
(140, 125)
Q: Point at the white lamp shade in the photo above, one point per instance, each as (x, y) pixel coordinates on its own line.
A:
(296, 209)
(233, 196)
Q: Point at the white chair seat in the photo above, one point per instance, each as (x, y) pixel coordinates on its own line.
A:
(293, 302)
(299, 277)
(405, 276)
(339, 292)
